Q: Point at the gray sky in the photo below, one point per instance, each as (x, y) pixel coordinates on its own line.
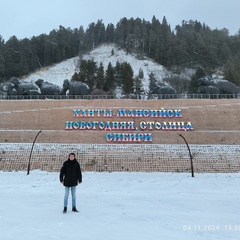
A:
(27, 18)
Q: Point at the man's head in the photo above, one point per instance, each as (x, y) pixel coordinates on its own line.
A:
(72, 156)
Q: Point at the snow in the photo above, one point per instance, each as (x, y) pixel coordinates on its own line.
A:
(57, 73)
(119, 205)
(104, 54)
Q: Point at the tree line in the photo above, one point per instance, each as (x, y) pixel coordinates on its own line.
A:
(105, 82)
(190, 44)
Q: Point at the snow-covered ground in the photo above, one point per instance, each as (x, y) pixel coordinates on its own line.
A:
(117, 206)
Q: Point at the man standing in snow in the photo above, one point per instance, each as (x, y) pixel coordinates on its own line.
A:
(70, 176)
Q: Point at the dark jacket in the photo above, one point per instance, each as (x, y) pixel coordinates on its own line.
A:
(70, 173)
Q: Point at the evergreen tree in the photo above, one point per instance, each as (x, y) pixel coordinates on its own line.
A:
(52, 52)
(99, 33)
(137, 35)
(121, 32)
(12, 57)
(2, 60)
(193, 85)
(82, 47)
(109, 78)
(39, 49)
(87, 73)
(91, 73)
(28, 61)
(153, 86)
(140, 74)
(127, 78)
(83, 71)
(154, 40)
(232, 72)
(75, 77)
(144, 37)
(100, 76)
(89, 37)
(117, 74)
(63, 38)
(138, 86)
(110, 33)
(165, 44)
(74, 43)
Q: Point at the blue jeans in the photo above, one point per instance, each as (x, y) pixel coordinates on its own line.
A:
(73, 192)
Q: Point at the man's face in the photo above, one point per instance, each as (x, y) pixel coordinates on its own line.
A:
(71, 157)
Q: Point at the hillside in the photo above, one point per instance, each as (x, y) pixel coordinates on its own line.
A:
(64, 70)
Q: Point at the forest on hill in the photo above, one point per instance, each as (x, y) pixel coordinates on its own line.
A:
(190, 44)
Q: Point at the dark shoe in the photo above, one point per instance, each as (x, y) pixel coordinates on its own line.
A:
(74, 209)
(65, 210)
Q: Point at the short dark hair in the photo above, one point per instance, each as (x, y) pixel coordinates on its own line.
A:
(72, 154)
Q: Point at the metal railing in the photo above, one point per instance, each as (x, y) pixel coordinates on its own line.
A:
(130, 96)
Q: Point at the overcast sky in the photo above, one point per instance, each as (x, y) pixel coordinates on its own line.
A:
(27, 18)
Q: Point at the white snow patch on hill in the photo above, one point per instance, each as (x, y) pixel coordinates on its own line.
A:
(57, 73)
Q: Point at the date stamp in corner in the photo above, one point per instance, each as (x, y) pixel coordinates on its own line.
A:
(198, 227)
(211, 227)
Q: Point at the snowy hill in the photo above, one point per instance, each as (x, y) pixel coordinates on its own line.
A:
(104, 54)
(64, 70)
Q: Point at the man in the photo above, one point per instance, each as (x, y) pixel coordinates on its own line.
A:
(70, 176)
